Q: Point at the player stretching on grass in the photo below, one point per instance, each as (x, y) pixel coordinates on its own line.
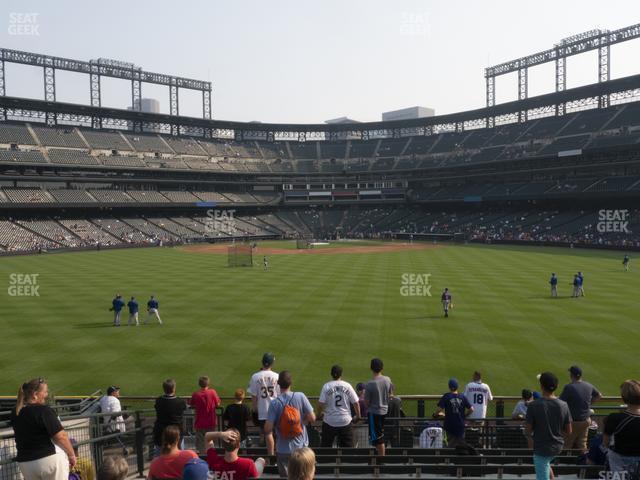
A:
(152, 310)
(446, 301)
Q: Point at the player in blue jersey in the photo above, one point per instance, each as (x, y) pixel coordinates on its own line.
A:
(116, 307)
(133, 312)
(554, 285)
(580, 284)
(625, 263)
(152, 310)
(576, 286)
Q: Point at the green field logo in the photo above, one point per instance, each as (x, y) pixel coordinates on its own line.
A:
(415, 285)
(23, 285)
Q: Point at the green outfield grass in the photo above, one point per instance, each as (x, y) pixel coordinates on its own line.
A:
(316, 310)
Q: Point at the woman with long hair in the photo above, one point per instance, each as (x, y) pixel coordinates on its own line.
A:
(44, 449)
(172, 460)
(622, 431)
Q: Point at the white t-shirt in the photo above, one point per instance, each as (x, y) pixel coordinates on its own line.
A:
(264, 386)
(478, 394)
(110, 404)
(337, 397)
(431, 437)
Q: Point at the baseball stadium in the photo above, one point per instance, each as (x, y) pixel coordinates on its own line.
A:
(492, 245)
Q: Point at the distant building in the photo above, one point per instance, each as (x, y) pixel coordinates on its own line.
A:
(408, 113)
(149, 105)
(339, 120)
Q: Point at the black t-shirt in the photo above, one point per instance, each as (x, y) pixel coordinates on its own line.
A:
(33, 430)
(627, 439)
(237, 416)
(169, 411)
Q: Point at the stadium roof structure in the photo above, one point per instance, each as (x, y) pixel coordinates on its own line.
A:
(14, 108)
(51, 112)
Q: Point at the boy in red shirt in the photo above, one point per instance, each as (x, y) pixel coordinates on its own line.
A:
(231, 466)
(204, 401)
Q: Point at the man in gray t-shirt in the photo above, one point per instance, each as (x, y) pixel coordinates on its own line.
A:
(579, 395)
(547, 418)
(376, 397)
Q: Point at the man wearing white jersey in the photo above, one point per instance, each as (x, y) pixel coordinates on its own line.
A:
(263, 388)
(336, 398)
(479, 395)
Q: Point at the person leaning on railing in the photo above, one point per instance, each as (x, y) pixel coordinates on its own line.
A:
(44, 449)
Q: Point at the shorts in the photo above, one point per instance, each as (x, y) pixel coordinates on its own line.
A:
(376, 429)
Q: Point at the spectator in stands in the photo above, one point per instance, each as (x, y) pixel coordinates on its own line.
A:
(172, 460)
(376, 397)
(110, 403)
(579, 395)
(114, 467)
(520, 410)
(548, 418)
(237, 415)
(204, 401)
(360, 387)
(479, 395)
(292, 434)
(231, 466)
(195, 469)
(84, 466)
(597, 454)
(336, 399)
(263, 388)
(169, 411)
(44, 449)
(302, 464)
(622, 431)
(455, 407)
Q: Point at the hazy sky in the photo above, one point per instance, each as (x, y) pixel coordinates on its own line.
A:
(308, 61)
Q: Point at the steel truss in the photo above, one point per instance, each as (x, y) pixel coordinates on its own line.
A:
(594, 40)
(589, 96)
(103, 68)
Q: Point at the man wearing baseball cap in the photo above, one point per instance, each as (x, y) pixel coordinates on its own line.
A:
(263, 388)
(110, 403)
(455, 408)
(579, 395)
(547, 421)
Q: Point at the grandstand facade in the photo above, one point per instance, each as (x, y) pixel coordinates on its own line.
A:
(533, 170)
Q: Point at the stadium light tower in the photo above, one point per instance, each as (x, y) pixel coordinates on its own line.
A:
(573, 45)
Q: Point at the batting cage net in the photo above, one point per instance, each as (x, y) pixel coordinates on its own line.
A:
(303, 243)
(240, 256)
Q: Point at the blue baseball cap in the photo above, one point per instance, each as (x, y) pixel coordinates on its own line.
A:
(453, 384)
(536, 395)
(195, 469)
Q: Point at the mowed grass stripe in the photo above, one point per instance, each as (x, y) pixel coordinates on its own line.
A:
(316, 310)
